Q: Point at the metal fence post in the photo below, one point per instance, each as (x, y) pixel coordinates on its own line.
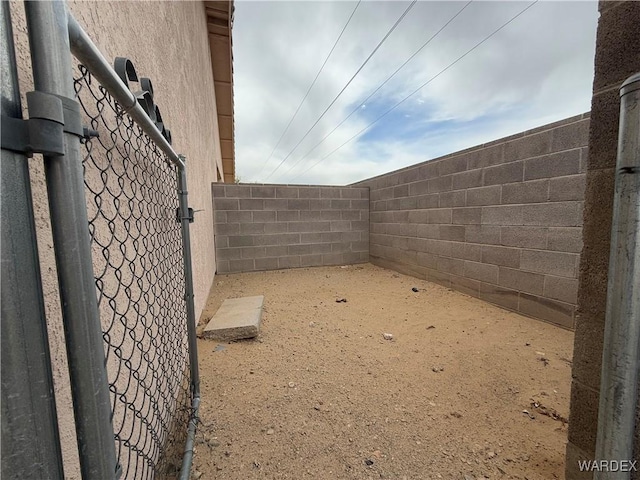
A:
(191, 320)
(52, 73)
(621, 351)
(30, 439)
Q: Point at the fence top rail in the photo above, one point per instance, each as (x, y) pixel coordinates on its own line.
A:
(88, 53)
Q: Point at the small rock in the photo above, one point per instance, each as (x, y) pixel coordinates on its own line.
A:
(368, 462)
(469, 477)
(341, 300)
(491, 455)
(437, 369)
(270, 431)
(219, 348)
(291, 384)
(196, 474)
(415, 290)
(387, 336)
(312, 324)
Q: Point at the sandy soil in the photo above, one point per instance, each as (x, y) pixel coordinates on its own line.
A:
(321, 393)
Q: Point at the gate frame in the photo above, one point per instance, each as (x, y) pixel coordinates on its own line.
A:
(54, 35)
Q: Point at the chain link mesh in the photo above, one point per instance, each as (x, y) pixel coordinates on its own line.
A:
(132, 202)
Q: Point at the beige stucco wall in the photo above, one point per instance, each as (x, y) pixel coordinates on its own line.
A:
(167, 42)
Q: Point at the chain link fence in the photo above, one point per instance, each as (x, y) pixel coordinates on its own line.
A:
(136, 242)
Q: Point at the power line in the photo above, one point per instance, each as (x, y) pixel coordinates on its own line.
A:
(345, 87)
(311, 86)
(419, 88)
(381, 85)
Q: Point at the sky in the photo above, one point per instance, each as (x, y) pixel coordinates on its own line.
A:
(464, 88)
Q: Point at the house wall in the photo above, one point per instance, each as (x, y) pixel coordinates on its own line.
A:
(266, 227)
(501, 221)
(167, 42)
(617, 58)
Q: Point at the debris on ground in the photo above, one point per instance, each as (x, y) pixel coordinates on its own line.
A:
(430, 327)
(544, 360)
(548, 412)
(529, 414)
(437, 369)
(341, 300)
(387, 336)
(368, 462)
(415, 290)
(219, 348)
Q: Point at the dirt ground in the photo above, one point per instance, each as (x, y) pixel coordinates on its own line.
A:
(464, 390)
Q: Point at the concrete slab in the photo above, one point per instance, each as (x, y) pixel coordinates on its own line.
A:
(236, 319)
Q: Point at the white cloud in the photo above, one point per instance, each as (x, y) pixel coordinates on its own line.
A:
(536, 70)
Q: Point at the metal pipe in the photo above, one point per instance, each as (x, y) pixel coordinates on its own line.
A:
(187, 459)
(621, 351)
(52, 73)
(30, 437)
(188, 279)
(89, 55)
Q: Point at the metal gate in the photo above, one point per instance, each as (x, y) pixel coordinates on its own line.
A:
(120, 224)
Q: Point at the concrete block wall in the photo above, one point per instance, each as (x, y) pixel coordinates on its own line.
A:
(267, 227)
(501, 221)
(617, 58)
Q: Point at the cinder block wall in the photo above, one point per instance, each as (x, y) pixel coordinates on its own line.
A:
(266, 227)
(617, 58)
(501, 221)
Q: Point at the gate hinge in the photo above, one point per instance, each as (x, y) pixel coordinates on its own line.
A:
(50, 116)
(190, 215)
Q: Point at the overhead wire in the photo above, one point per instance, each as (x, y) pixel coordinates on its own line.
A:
(380, 86)
(419, 88)
(311, 86)
(345, 87)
